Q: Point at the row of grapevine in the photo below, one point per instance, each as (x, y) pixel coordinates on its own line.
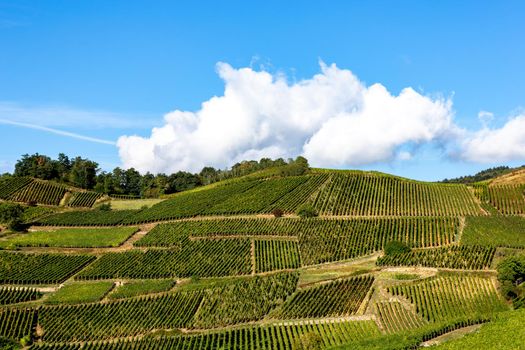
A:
(42, 192)
(17, 295)
(83, 199)
(18, 268)
(17, 323)
(320, 240)
(508, 199)
(454, 257)
(338, 298)
(334, 240)
(11, 185)
(118, 318)
(273, 255)
(378, 195)
(203, 258)
(448, 298)
(88, 218)
(300, 195)
(396, 318)
(265, 337)
(245, 300)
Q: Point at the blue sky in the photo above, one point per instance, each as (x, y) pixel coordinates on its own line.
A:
(105, 69)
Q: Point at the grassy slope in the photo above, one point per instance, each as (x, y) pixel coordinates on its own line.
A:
(495, 231)
(77, 293)
(135, 288)
(70, 237)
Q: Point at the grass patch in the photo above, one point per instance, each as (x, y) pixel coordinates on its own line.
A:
(70, 237)
(125, 204)
(134, 288)
(77, 293)
(495, 231)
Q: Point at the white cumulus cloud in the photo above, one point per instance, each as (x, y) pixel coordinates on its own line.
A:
(490, 145)
(333, 119)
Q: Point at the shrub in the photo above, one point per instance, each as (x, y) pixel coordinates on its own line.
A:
(511, 272)
(277, 212)
(396, 247)
(307, 211)
(104, 207)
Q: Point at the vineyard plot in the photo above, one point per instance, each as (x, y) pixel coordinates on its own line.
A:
(18, 295)
(449, 298)
(83, 199)
(203, 258)
(338, 298)
(9, 186)
(507, 199)
(397, 318)
(494, 231)
(117, 318)
(359, 194)
(42, 192)
(17, 323)
(88, 218)
(246, 300)
(18, 268)
(273, 255)
(454, 257)
(264, 337)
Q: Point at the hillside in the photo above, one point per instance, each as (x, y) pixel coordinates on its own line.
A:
(516, 177)
(212, 268)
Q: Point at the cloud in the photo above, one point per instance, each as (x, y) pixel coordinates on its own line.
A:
(65, 116)
(57, 132)
(333, 119)
(497, 144)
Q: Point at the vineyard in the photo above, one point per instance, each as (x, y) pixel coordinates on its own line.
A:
(507, 199)
(19, 268)
(269, 337)
(495, 231)
(12, 185)
(227, 257)
(87, 218)
(395, 317)
(454, 257)
(136, 288)
(448, 298)
(42, 192)
(117, 318)
(273, 255)
(17, 323)
(83, 199)
(379, 195)
(339, 298)
(18, 295)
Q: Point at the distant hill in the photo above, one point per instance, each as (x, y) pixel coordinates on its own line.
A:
(515, 177)
(484, 175)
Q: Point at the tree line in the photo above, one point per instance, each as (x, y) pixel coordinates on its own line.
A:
(86, 174)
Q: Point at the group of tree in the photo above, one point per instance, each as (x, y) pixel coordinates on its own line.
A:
(86, 174)
(483, 175)
(511, 275)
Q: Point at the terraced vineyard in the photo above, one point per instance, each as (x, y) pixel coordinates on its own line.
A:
(378, 195)
(117, 318)
(83, 199)
(282, 336)
(397, 318)
(339, 298)
(455, 257)
(88, 218)
(448, 298)
(18, 295)
(495, 231)
(17, 323)
(41, 192)
(508, 199)
(19, 268)
(228, 257)
(273, 255)
(12, 185)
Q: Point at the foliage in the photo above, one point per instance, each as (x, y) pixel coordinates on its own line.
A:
(277, 212)
(18, 268)
(71, 237)
(309, 341)
(482, 175)
(396, 247)
(511, 272)
(494, 231)
(333, 299)
(104, 207)
(454, 257)
(11, 214)
(307, 211)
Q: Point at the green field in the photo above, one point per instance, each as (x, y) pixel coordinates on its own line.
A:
(77, 293)
(135, 288)
(495, 231)
(70, 237)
